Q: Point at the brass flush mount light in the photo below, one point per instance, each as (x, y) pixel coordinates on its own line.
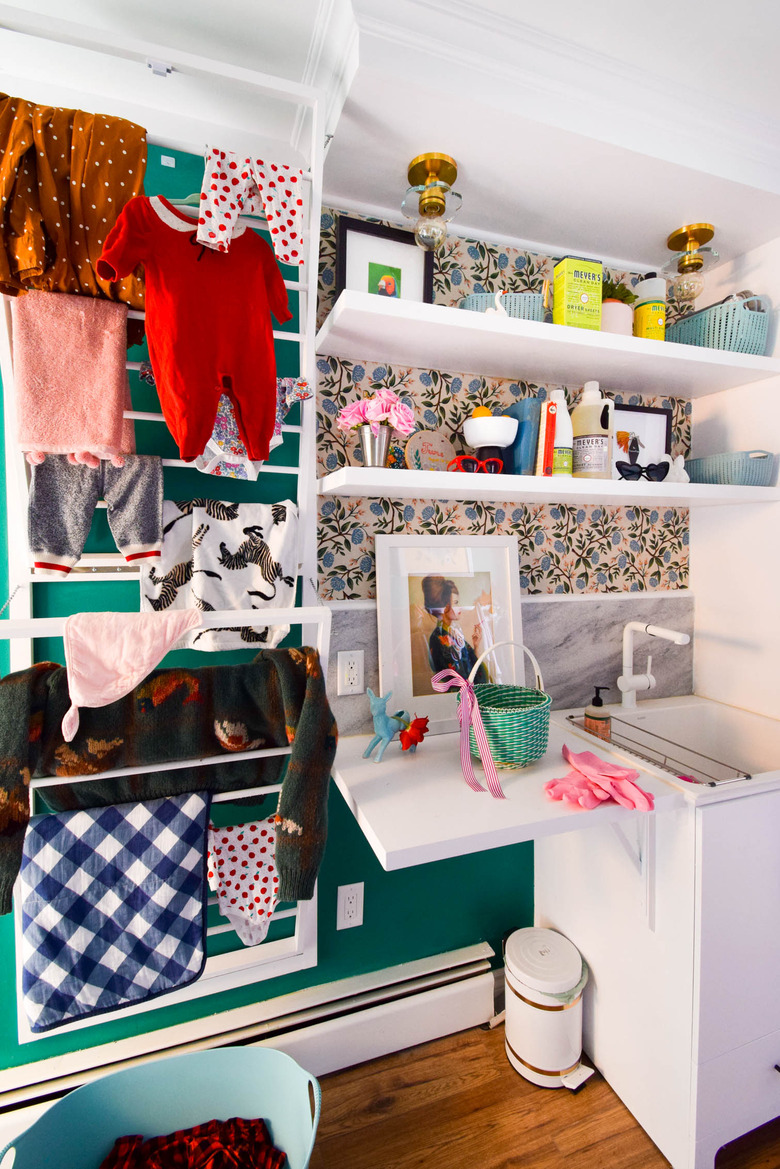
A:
(430, 200)
(692, 257)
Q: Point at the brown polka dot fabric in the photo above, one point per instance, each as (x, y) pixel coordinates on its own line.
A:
(64, 177)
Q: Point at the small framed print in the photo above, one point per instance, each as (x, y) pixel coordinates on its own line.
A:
(442, 601)
(384, 261)
(642, 436)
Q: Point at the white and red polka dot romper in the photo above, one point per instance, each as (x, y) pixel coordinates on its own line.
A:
(242, 872)
(233, 185)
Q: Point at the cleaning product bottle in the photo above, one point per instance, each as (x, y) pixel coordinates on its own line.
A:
(563, 435)
(650, 308)
(591, 423)
(597, 720)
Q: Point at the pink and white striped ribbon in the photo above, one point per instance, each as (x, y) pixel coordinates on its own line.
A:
(468, 715)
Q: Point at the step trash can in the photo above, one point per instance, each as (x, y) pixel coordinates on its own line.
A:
(545, 976)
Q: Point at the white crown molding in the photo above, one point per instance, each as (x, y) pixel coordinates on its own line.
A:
(331, 63)
(714, 137)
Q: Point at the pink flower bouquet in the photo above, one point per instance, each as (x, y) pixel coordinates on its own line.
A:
(384, 409)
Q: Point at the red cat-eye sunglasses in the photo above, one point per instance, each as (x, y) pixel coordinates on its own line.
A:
(490, 466)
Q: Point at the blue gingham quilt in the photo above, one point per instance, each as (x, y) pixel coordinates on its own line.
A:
(113, 906)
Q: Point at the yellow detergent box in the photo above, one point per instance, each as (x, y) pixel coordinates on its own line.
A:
(577, 292)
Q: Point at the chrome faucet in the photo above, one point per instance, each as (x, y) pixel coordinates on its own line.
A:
(629, 682)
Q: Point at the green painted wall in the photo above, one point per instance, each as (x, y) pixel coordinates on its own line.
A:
(407, 915)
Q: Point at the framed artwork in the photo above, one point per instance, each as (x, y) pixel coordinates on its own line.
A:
(642, 436)
(381, 260)
(441, 602)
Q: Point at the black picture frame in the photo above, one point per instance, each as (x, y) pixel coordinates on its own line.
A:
(411, 260)
(653, 424)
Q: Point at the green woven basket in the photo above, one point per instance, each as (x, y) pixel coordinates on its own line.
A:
(516, 718)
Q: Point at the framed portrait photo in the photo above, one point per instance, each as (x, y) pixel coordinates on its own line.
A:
(442, 601)
(384, 261)
(642, 436)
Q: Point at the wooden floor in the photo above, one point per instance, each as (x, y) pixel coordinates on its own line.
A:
(457, 1103)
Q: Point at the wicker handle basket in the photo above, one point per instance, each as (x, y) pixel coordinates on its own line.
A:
(516, 719)
(538, 683)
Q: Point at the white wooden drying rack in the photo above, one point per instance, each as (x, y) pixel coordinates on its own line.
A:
(282, 956)
(298, 951)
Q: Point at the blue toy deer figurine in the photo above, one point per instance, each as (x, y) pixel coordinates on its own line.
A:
(385, 725)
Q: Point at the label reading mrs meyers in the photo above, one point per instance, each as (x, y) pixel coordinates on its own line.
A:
(590, 452)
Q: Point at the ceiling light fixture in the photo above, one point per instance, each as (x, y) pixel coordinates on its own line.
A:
(430, 200)
(692, 258)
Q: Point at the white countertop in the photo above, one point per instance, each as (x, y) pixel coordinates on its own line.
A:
(415, 808)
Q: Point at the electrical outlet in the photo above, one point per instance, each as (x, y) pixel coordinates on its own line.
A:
(349, 910)
(350, 672)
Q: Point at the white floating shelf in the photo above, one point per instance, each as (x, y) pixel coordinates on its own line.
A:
(404, 332)
(385, 482)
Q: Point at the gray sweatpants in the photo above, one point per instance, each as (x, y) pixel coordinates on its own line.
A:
(63, 497)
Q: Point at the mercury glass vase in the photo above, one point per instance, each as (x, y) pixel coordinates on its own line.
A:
(375, 447)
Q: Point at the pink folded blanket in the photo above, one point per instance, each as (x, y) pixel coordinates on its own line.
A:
(70, 371)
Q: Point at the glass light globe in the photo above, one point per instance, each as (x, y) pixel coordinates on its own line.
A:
(430, 232)
(687, 286)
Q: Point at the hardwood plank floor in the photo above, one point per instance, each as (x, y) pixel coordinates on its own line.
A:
(456, 1103)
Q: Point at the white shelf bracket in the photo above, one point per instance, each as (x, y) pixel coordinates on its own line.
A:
(159, 68)
(641, 852)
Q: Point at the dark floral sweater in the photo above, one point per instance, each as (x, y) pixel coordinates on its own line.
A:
(278, 698)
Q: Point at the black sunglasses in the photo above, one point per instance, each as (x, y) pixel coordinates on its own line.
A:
(655, 472)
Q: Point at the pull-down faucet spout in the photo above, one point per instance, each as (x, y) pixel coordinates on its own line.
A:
(629, 682)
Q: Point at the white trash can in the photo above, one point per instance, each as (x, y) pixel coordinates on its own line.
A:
(543, 1032)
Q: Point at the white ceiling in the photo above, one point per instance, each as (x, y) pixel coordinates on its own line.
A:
(575, 127)
(588, 127)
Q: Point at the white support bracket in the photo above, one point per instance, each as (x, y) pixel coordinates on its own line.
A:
(159, 68)
(641, 852)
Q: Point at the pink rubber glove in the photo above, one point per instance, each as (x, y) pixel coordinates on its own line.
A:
(575, 788)
(611, 778)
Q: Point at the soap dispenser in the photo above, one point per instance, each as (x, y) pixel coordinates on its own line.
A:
(597, 720)
(591, 422)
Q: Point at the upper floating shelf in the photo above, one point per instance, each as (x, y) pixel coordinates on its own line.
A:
(404, 332)
(388, 483)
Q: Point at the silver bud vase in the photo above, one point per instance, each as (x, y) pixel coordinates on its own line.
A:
(375, 447)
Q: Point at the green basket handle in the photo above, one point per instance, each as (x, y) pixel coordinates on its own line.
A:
(519, 645)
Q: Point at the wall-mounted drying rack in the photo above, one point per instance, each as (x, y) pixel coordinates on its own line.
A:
(297, 950)
(172, 128)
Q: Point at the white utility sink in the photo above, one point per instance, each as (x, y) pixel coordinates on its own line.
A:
(708, 740)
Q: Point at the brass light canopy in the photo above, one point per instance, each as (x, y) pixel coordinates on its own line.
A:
(689, 239)
(430, 199)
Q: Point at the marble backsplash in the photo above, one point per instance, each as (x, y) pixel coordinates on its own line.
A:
(577, 641)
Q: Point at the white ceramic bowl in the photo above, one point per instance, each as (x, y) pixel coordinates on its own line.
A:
(494, 431)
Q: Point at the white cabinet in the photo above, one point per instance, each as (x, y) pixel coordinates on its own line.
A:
(682, 1017)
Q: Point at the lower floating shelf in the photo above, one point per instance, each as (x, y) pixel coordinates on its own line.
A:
(417, 808)
(376, 482)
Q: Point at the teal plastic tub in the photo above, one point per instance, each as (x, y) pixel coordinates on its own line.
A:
(526, 306)
(738, 468)
(731, 326)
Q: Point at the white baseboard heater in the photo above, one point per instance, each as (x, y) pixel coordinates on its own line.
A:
(324, 1028)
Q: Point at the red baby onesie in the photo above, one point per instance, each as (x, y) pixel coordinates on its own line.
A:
(207, 321)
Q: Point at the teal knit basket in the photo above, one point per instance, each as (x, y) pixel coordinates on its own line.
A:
(731, 326)
(516, 718)
(526, 306)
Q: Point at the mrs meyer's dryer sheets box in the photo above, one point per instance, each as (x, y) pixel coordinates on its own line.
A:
(577, 293)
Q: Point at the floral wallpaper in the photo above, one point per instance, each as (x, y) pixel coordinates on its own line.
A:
(562, 548)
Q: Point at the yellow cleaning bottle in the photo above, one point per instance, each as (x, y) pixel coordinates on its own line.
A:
(591, 422)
